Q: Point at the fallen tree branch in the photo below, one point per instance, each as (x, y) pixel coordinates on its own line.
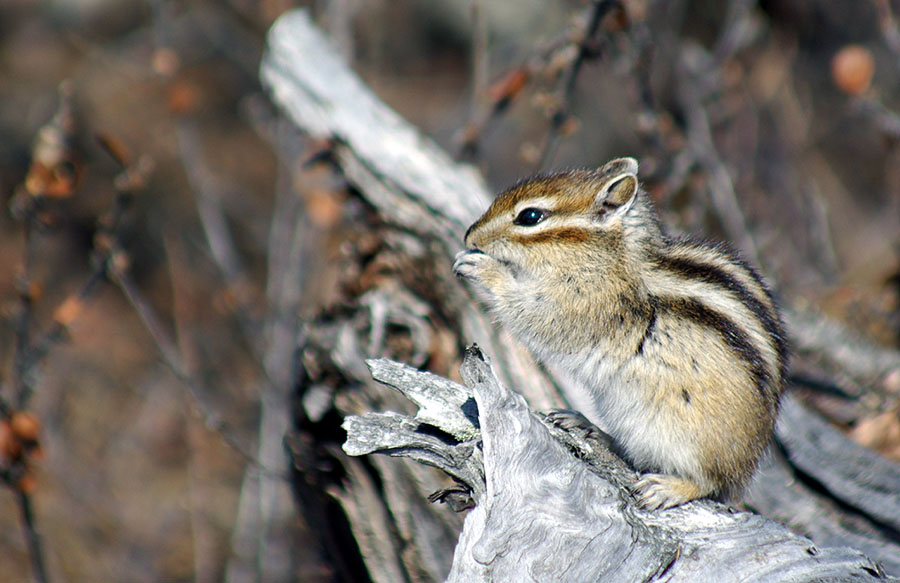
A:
(545, 514)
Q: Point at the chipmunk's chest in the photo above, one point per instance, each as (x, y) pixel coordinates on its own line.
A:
(560, 318)
(624, 399)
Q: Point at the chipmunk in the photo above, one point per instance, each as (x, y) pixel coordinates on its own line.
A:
(676, 344)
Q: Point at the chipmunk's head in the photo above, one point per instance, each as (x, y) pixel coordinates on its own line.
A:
(560, 247)
(565, 221)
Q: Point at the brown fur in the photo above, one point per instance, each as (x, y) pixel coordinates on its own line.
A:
(677, 343)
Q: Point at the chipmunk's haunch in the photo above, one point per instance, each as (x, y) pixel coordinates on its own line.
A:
(677, 344)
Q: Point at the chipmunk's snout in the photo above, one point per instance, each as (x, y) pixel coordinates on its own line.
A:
(468, 234)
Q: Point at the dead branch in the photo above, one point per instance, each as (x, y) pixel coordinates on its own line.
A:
(586, 50)
(544, 513)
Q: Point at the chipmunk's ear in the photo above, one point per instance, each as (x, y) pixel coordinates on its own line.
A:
(618, 187)
(618, 166)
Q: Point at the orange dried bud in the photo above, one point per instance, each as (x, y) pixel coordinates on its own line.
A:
(166, 61)
(63, 180)
(68, 311)
(6, 439)
(852, 69)
(530, 153)
(324, 208)
(36, 452)
(469, 133)
(27, 483)
(184, 98)
(103, 242)
(35, 291)
(25, 426)
(38, 179)
(569, 127)
(618, 20)
(509, 87)
(119, 263)
(56, 181)
(10, 447)
(115, 148)
(135, 177)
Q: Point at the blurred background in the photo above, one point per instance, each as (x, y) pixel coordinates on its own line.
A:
(134, 133)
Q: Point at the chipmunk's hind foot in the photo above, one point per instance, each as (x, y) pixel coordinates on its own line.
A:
(661, 491)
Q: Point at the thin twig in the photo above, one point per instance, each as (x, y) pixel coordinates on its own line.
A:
(700, 141)
(888, 25)
(586, 50)
(480, 60)
(114, 262)
(21, 384)
(32, 538)
(730, 40)
(172, 358)
(887, 121)
(56, 332)
(479, 111)
(262, 514)
(108, 229)
(207, 195)
(646, 114)
(50, 152)
(679, 171)
(182, 366)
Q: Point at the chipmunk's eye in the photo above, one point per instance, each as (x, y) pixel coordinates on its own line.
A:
(529, 217)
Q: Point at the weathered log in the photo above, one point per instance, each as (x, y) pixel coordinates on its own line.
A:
(417, 187)
(544, 513)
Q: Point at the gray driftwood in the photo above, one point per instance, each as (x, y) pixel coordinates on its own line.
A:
(542, 513)
(556, 507)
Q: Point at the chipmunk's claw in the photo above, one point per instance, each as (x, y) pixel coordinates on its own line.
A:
(661, 491)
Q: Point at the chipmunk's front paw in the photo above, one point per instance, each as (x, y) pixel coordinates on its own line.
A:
(661, 491)
(466, 265)
(576, 423)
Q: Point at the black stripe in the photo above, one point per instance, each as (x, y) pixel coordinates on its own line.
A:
(718, 277)
(651, 325)
(693, 310)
